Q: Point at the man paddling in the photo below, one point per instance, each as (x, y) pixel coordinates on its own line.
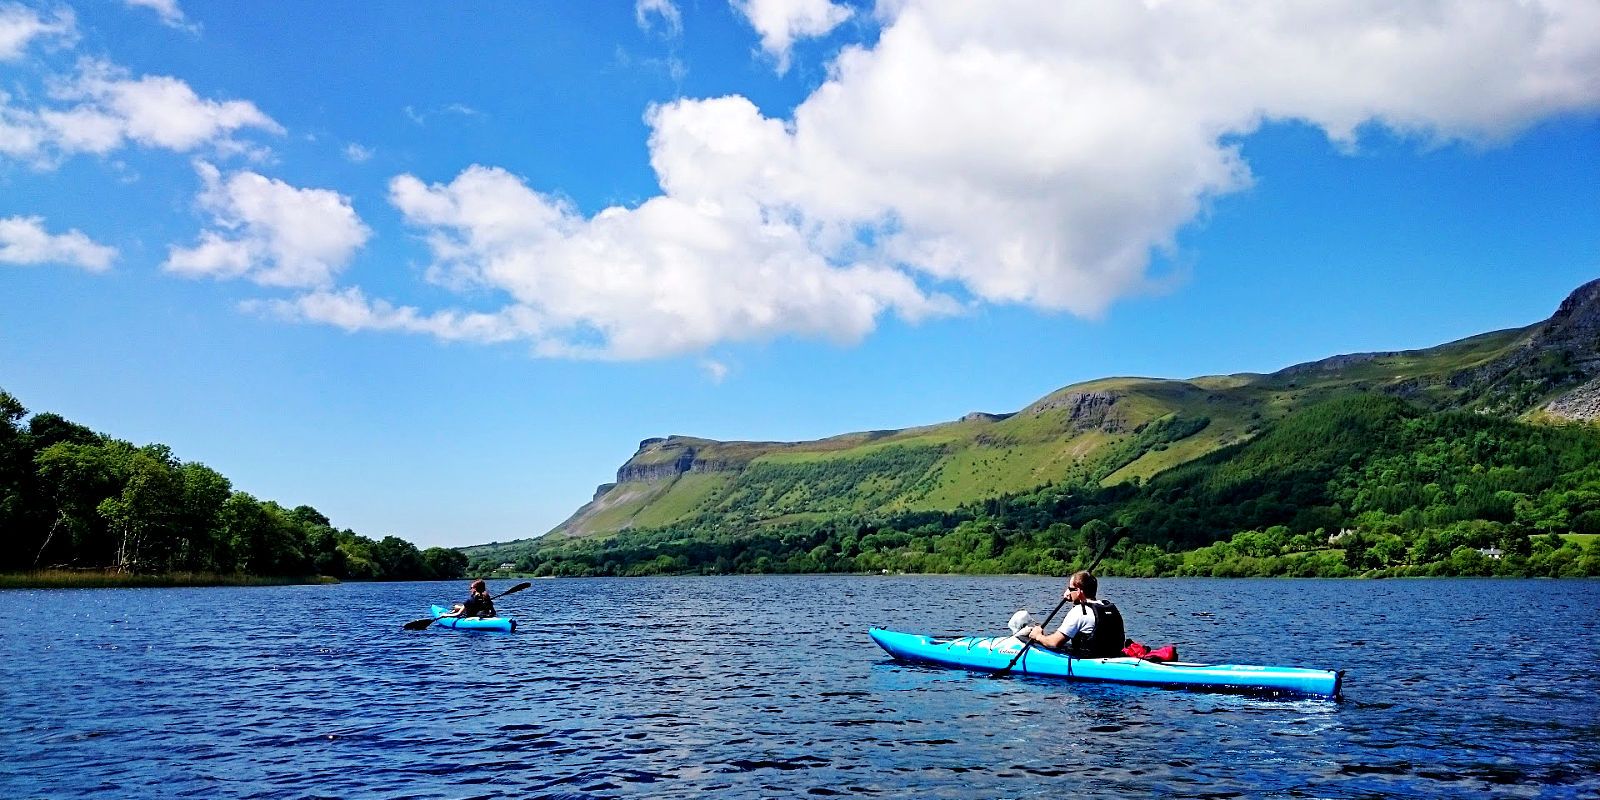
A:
(1092, 629)
(477, 604)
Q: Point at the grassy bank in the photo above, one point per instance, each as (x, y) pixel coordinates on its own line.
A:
(95, 579)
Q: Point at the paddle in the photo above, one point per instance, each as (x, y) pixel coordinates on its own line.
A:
(1029, 643)
(419, 624)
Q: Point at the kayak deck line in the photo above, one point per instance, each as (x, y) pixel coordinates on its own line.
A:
(994, 653)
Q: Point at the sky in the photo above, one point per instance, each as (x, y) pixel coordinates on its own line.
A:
(436, 269)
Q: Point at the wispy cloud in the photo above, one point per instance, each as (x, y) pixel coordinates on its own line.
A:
(270, 232)
(781, 22)
(647, 13)
(356, 154)
(168, 11)
(421, 116)
(25, 242)
(715, 370)
(21, 25)
(102, 109)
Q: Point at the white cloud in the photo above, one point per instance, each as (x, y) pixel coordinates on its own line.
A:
(105, 110)
(644, 11)
(25, 242)
(781, 22)
(665, 278)
(159, 111)
(715, 370)
(20, 25)
(351, 310)
(1024, 153)
(356, 154)
(270, 232)
(167, 10)
(1037, 153)
(421, 116)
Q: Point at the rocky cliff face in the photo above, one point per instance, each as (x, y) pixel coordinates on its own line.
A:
(1575, 329)
(1579, 405)
(1561, 358)
(665, 458)
(1085, 410)
(983, 416)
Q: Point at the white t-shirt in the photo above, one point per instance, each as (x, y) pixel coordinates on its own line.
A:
(1079, 620)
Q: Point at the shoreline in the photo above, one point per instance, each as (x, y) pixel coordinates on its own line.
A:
(94, 579)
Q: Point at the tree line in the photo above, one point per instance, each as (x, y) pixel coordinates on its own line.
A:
(1360, 485)
(72, 498)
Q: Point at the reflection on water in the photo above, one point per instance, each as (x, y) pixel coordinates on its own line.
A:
(769, 686)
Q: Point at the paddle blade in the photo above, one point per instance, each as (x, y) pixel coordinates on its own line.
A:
(513, 590)
(419, 624)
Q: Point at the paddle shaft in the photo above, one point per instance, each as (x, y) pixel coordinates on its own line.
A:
(420, 624)
(1029, 643)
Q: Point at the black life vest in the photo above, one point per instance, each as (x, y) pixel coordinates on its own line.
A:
(480, 607)
(1108, 638)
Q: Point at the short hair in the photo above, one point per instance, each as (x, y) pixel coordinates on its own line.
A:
(1086, 582)
(480, 585)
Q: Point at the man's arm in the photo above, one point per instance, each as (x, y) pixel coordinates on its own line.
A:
(1069, 628)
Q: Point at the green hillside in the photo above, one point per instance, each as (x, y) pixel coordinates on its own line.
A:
(1118, 442)
(1102, 432)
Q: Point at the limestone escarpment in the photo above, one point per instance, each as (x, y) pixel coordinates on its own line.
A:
(1330, 365)
(666, 458)
(1085, 410)
(983, 416)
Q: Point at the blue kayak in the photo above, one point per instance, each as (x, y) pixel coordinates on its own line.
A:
(993, 653)
(503, 624)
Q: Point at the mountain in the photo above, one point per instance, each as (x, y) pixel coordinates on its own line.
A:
(1103, 432)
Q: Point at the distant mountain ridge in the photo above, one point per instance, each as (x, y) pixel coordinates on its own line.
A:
(1105, 431)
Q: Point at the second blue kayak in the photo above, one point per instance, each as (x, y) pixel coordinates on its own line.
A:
(993, 653)
(503, 624)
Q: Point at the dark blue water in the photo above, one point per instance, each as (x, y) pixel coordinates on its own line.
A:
(769, 687)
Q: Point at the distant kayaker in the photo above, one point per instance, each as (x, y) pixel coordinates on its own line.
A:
(1092, 629)
(477, 604)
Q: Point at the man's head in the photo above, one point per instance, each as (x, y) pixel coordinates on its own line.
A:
(480, 587)
(1082, 585)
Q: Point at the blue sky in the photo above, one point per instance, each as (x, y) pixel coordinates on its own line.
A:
(435, 269)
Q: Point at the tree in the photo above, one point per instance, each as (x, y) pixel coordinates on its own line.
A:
(1095, 533)
(1386, 550)
(399, 559)
(262, 538)
(205, 491)
(77, 477)
(443, 563)
(142, 517)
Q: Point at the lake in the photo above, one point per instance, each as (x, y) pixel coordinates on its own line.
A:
(750, 687)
